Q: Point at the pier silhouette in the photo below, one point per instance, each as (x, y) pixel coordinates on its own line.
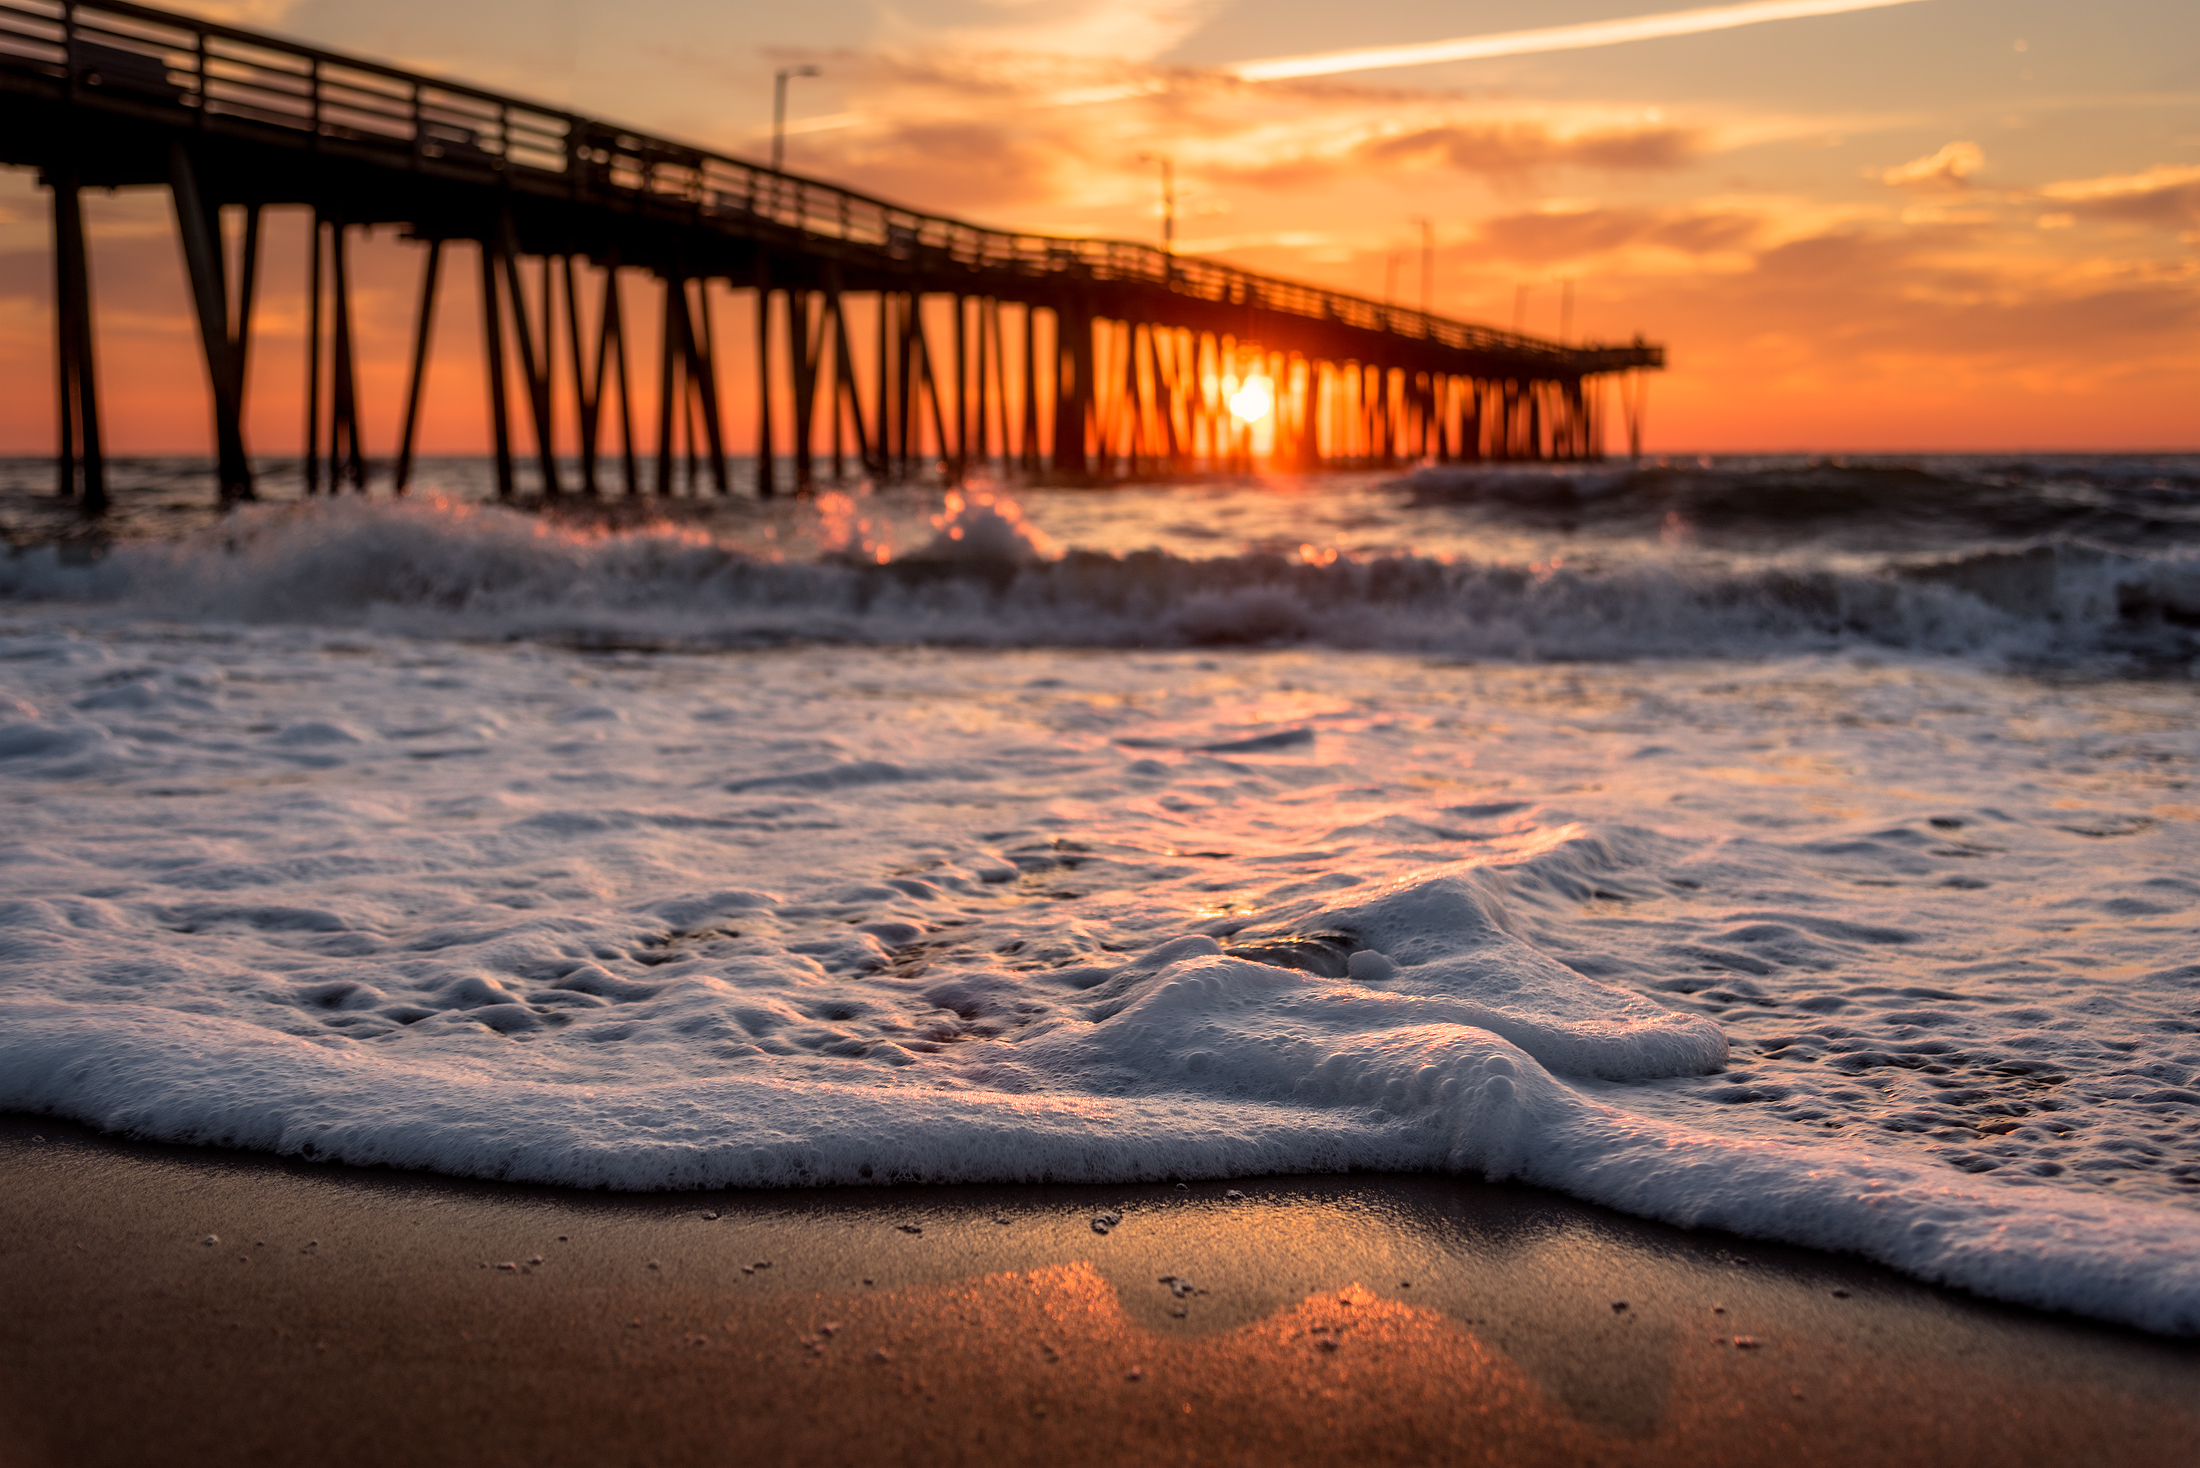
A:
(1113, 359)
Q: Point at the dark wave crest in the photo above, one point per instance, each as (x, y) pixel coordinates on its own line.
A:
(1866, 506)
(441, 569)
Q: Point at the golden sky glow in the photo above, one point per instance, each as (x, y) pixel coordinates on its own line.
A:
(1918, 225)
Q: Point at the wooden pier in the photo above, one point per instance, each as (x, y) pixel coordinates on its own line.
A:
(1030, 355)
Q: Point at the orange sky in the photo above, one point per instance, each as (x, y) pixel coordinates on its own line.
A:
(1940, 224)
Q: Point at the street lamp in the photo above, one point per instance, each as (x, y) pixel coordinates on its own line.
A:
(1428, 248)
(1168, 199)
(779, 110)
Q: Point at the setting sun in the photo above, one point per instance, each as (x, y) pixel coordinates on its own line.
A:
(1252, 401)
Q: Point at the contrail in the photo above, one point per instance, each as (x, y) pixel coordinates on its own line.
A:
(1553, 38)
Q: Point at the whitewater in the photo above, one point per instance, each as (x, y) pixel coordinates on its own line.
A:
(1799, 849)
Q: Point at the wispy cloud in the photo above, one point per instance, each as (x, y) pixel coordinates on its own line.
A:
(1124, 30)
(2126, 185)
(1304, 153)
(2167, 196)
(239, 12)
(1549, 38)
(1551, 236)
(1514, 149)
(1948, 168)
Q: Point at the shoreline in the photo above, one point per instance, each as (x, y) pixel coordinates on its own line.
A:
(355, 1315)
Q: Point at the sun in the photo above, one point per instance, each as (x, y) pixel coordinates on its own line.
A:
(1252, 401)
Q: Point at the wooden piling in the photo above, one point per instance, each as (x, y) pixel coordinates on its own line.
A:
(1073, 385)
(671, 357)
(534, 366)
(765, 471)
(992, 386)
(423, 325)
(198, 223)
(587, 390)
(347, 458)
(929, 383)
(832, 336)
(958, 459)
(802, 379)
(700, 336)
(846, 397)
(883, 388)
(83, 460)
(909, 397)
(492, 337)
(1027, 434)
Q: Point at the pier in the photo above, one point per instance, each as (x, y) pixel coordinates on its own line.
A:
(906, 343)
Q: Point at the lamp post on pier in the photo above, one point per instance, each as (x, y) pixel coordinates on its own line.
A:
(779, 110)
(1168, 198)
(1428, 257)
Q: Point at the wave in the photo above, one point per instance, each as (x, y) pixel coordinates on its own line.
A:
(2136, 502)
(1884, 507)
(442, 568)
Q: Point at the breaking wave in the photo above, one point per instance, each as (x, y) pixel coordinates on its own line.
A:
(2130, 503)
(444, 568)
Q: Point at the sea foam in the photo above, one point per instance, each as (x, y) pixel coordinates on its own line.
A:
(1881, 955)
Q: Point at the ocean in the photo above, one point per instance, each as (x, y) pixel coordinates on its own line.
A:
(1802, 848)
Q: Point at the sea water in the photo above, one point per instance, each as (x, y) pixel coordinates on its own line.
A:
(1796, 848)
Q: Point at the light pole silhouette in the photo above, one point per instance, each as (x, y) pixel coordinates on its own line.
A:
(1168, 199)
(1428, 257)
(779, 110)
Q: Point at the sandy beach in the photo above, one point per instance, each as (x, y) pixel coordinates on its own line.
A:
(176, 1305)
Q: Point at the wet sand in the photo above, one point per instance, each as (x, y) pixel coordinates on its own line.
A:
(347, 1316)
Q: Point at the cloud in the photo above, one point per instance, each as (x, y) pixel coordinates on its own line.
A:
(967, 164)
(1132, 30)
(994, 133)
(1501, 148)
(238, 12)
(1950, 294)
(1546, 236)
(1269, 239)
(2166, 195)
(1949, 168)
(1550, 38)
(1511, 153)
